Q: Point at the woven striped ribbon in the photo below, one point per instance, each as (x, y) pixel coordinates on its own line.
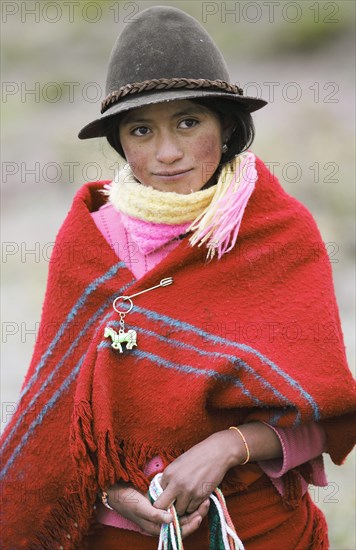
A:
(222, 531)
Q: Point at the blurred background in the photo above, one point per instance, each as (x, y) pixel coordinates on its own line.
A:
(299, 56)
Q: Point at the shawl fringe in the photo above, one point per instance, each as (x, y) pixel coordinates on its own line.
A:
(83, 447)
(103, 462)
(320, 532)
(68, 522)
(292, 489)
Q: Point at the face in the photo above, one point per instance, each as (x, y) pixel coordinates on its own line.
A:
(172, 146)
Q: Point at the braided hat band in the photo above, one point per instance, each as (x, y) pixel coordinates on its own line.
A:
(168, 84)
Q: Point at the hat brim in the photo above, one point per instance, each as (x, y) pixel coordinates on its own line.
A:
(96, 128)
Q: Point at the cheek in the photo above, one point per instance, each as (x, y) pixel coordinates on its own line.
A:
(208, 149)
(137, 159)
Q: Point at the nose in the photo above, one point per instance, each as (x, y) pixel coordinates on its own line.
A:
(169, 149)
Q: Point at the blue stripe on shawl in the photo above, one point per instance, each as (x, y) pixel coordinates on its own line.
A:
(276, 417)
(70, 317)
(189, 369)
(68, 352)
(49, 405)
(187, 327)
(232, 358)
(54, 372)
(41, 414)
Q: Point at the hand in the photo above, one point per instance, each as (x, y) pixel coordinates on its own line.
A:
(136, 506)
(194, 475)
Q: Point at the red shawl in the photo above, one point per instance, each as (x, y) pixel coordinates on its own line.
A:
(255, 335)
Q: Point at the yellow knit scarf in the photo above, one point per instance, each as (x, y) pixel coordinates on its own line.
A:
(207, 209)
(146, 203)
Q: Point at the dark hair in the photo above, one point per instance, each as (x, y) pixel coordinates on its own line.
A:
(240, 139)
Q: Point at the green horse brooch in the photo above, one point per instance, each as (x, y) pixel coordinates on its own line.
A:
(118, 338)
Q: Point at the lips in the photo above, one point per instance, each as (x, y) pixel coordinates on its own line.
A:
(172, 175)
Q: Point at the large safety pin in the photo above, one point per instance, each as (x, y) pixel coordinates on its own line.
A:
(163, 282)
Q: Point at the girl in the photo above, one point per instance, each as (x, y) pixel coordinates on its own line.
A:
(167, 393)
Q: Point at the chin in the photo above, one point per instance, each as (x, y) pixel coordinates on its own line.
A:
(174, 188)
(185, 191)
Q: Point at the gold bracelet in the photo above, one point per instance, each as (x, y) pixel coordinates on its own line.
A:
(104, 500)
(245, 443)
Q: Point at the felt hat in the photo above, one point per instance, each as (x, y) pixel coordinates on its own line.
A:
(164, 54)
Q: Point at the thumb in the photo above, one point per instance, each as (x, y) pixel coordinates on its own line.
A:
(166, 499)
(147, 512)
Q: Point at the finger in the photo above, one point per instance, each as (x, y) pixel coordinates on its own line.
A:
(166, 499)
(150, 528)
(196, 505)
(203, 509)
(144, 510)
(187, 518)
(151, 514)
(192, 525)
(181, 505)
(201, 512)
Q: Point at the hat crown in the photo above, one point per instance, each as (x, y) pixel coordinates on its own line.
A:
(163, 42)
(164, 54)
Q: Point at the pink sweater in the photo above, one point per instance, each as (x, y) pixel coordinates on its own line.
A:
(141, 246)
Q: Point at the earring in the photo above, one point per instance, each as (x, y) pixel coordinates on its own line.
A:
(224, 148)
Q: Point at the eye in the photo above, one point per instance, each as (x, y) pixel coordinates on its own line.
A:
(140, 131)
(188, 123)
